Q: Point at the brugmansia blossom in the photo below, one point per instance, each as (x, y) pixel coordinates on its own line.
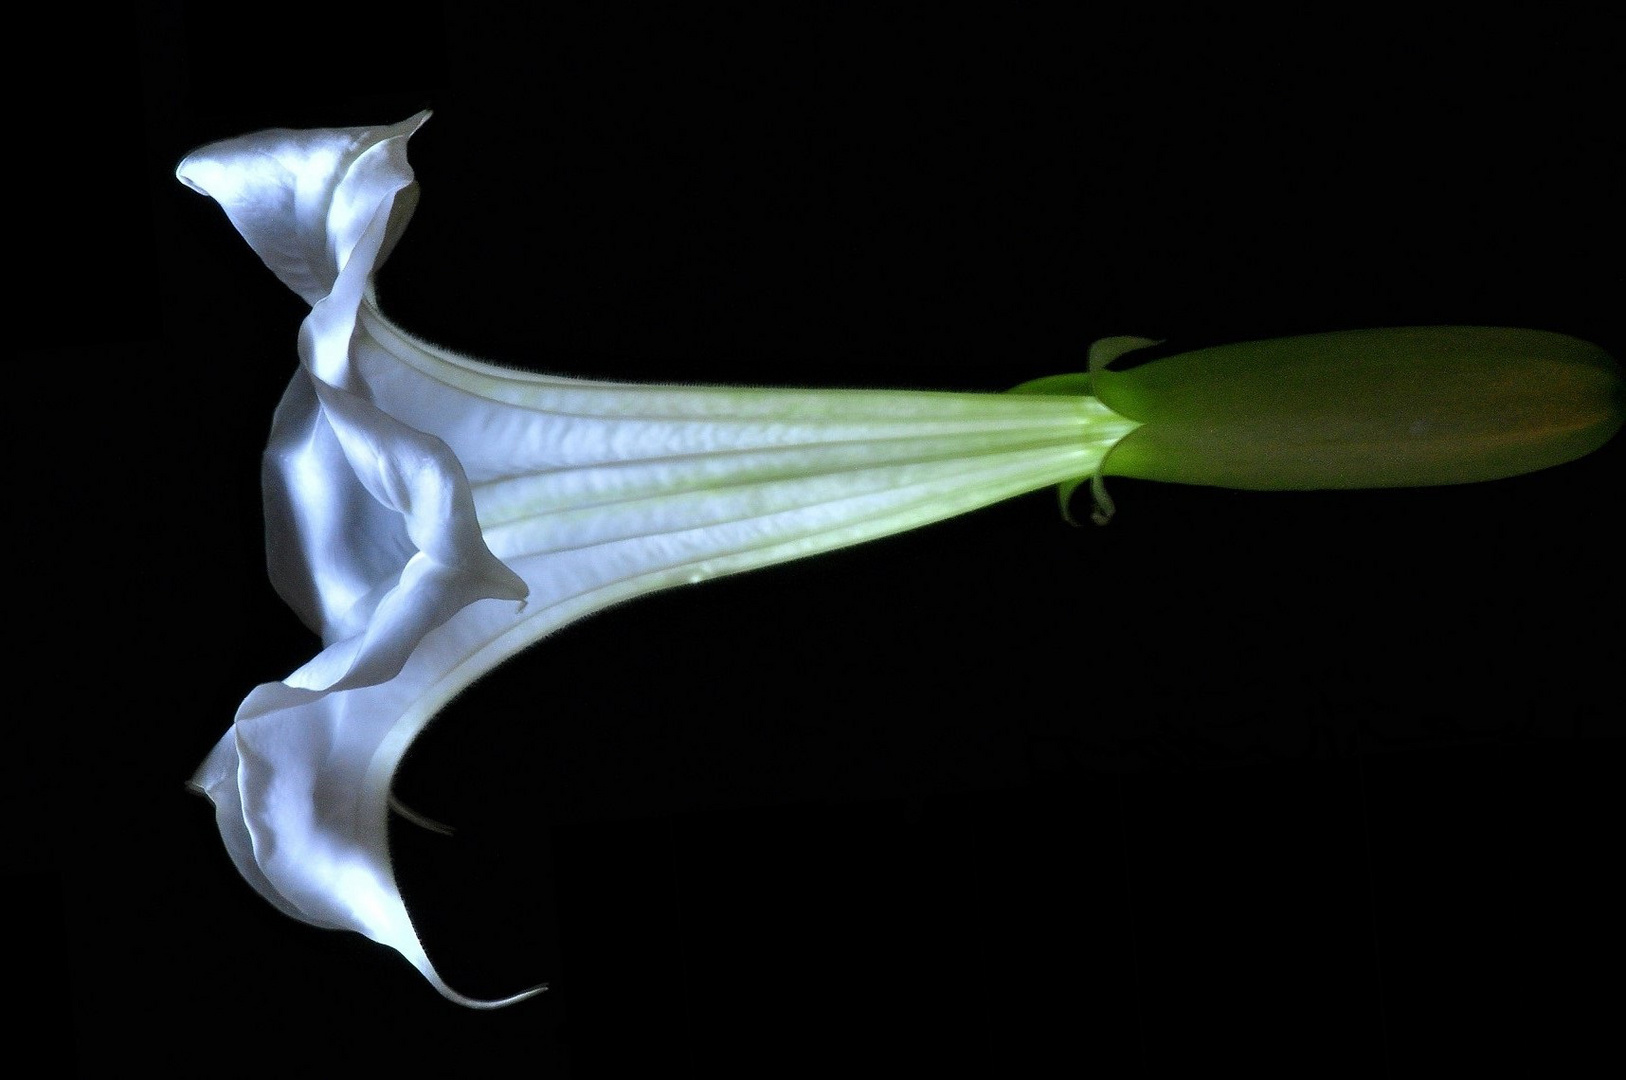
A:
(429, 515)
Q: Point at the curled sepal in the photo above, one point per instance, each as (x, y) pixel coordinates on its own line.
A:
(1413, 406)
(1102, 353)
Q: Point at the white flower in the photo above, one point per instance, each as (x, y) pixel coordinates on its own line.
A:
(429, 515)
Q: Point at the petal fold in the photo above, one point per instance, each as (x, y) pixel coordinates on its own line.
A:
(371, 535)
(304, 199)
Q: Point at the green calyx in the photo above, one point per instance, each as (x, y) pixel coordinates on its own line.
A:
(1414, 406)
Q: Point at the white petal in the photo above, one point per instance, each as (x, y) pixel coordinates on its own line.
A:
(353, 496)
(301, 789)
(304, 199)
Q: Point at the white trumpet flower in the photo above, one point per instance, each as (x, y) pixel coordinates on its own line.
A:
(429, 516)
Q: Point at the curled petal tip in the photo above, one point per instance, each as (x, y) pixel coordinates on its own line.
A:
(482, 1003)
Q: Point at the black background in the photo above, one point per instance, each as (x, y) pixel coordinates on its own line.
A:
(1316, 783)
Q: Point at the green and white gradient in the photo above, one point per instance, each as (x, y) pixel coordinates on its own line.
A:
(430, 516)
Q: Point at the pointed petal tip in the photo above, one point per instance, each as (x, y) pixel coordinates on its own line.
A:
(499, 1003)
(478, 1003)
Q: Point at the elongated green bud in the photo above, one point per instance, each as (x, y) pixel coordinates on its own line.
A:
(1365, 408)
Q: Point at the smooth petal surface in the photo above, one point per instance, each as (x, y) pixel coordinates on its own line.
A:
(353, 497)
(413, 495)
(305, 200)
